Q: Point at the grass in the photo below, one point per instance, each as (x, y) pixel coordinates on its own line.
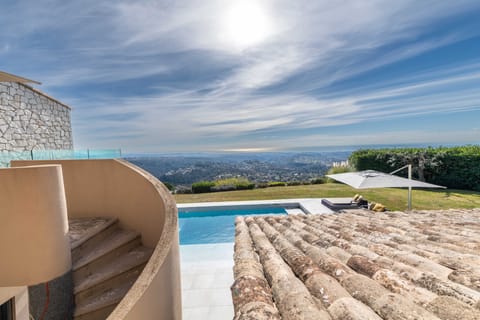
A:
(393, 199)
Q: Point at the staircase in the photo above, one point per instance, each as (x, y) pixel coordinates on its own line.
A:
(106, 261)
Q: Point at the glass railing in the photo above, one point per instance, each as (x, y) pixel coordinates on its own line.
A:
(6, 157)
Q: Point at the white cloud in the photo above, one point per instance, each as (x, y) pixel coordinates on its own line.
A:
(386, 137)
(194, 119)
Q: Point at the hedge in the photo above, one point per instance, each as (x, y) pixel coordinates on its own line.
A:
(229, 184)
(277, 184)
(169, 186)
(318, 181)
(202, 186)
(453, 167)
(239, 183)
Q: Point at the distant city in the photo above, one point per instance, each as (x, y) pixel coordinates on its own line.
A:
(183, 170)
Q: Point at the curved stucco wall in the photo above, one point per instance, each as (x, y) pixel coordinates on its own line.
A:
(34, 243)
(113, 188)
(116, 188)
(156, 294)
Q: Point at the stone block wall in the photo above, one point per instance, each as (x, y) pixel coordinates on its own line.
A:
(30, 120)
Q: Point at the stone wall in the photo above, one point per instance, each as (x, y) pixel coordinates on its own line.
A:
(30, 120)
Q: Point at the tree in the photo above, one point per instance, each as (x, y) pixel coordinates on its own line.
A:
(422, 161)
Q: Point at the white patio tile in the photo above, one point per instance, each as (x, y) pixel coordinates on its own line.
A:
(197, 298)
(221, 313)
(221, 297)
(222, 278)
(203, 281)
(187, 280)
(196, 313)
(206, 279)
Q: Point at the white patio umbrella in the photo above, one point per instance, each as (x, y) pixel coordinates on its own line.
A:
(375, 179)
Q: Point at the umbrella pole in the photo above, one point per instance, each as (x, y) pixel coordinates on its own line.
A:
(410, 188)
(409, 166)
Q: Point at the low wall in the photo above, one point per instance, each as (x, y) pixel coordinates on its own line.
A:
(116, 188)
(20, 294)
(34, 243)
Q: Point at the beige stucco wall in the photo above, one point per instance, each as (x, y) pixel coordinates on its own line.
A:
(116, 188)
(34, 242)
(109, 188)
(20, 294)
(7, 293)
(162, 298)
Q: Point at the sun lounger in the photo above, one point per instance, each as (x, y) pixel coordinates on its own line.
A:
(340, 203)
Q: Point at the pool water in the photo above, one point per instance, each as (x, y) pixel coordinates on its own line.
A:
(214, 226)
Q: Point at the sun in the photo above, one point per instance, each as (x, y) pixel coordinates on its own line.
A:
(245, 24)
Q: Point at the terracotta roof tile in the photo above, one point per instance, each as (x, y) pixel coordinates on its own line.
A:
(358, 265)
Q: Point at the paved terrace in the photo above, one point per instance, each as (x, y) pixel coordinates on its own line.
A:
(358, 265)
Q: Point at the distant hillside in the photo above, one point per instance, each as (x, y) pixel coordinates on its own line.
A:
(257, 167)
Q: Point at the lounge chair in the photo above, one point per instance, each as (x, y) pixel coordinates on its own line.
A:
(341, 203)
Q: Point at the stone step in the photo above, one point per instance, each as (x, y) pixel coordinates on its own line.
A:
(101, 304)
(82, 230)
(109, 285)
(99, 314)
(113, 273)
(95, 233)
(106, 261)
(119, 241)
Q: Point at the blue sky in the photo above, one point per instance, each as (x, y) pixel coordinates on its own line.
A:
(198, 75)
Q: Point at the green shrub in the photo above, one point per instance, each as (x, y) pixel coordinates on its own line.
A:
(318, 180)
(453, 167)
(294, 183)
(277, 184)
(229, 181)
(262, 185)
(183, 190)
(202, 186)
(248, 186)
(237, 183)
(169, 186)
(223, 187)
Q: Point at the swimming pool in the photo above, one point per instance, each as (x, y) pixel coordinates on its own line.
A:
(215, 225)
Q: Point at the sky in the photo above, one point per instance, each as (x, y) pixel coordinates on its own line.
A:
(245, 75)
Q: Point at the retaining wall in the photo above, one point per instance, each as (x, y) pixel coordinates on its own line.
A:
(31, 120)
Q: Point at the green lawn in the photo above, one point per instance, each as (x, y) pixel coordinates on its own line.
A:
(394, 199)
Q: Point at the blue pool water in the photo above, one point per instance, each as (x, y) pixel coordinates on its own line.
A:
(214, 226)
